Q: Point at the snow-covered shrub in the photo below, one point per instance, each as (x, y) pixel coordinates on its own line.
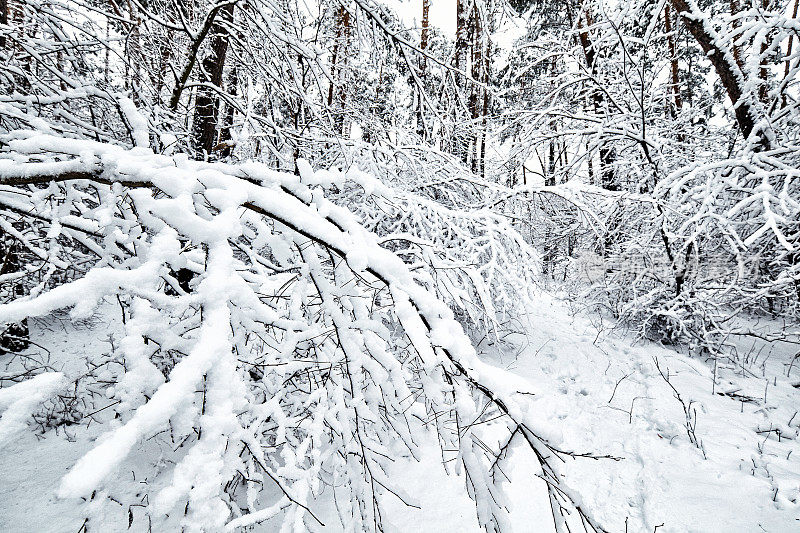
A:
(696, 222)
(712, 241)
(305, 355)
(425, 207)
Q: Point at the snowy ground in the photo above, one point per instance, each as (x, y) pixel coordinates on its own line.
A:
(742, 475)
(730, 464)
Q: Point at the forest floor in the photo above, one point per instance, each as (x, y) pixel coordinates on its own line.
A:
(701, 445)
(714, 448)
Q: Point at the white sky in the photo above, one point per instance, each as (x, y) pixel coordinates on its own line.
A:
(443, 16)
(442, 13)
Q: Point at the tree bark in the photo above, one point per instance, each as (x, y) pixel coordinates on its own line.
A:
(607, 157)
(724, 63)
(338, 66)
(3, 20)
(423, 40)
(463, 138)
(763, 73)
(461, 34)
(735, 8)
(475, 93)
(206, 109)
(673, 55)
(208, 25)
(423, 67)
(225, 146)
(15, 337)
(791, 38)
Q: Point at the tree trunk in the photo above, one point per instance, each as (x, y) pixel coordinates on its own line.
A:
(225, 138)
(207, 100)
(791, 38)
(423, 41)
(485, 111)
(475, 93)
(423, 67)
(15, 337)
(736, 8)
(724, 63)
(165, 55)
(3, 20)
(462, 138)
(673, 55)
(461, 34)
(338, 66)
(763, 74)
(607, 157)
(133, 56)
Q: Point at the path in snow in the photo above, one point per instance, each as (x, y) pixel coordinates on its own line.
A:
(611, 399)
(603, 393)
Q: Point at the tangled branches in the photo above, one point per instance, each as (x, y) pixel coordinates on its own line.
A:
(317, 353)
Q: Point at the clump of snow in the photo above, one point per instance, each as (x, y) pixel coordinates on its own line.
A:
(19, 401)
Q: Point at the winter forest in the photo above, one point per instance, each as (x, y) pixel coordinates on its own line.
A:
(400, 265)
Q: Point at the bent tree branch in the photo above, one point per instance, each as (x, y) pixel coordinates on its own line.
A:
(724, 62)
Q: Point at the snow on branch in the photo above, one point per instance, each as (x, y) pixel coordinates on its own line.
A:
(281, 358)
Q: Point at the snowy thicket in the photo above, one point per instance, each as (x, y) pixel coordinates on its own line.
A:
(695, 209)
(319, 226)
(303, 353)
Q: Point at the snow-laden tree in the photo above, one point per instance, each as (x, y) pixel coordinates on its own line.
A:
(687, 192)
(294, 210)
(284, 333)
(300, 354)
